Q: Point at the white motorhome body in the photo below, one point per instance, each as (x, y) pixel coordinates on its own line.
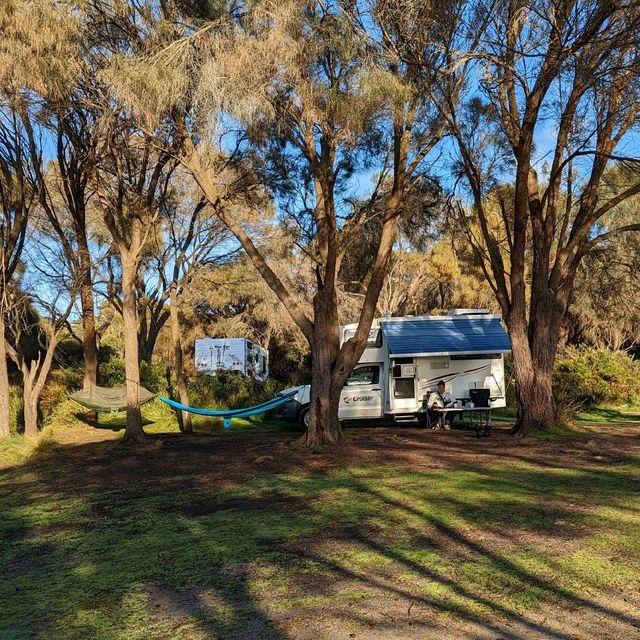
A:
(406, 357)
(231, 354)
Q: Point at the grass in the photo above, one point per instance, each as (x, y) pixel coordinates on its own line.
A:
(585, 418)
(610, 415)
(186, 558)
(156, 416)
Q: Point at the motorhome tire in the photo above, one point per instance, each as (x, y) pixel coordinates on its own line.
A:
(303, 417)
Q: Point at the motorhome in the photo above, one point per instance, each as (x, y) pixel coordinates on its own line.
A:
(406, 357)
(231, 354)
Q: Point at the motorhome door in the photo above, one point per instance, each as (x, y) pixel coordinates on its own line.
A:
(361, 396)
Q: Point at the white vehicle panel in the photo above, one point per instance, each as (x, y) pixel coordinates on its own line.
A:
(361, 397)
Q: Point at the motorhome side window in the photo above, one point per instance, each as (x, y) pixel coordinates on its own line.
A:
(373, 342)
(364, 375)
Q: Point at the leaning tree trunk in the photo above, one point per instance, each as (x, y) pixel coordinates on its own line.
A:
(5, 414)
(184, 417)
(324, 424)
(134, 431)
(34, 376)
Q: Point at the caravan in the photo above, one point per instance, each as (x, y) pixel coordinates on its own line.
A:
(231, 354)
(406, 357)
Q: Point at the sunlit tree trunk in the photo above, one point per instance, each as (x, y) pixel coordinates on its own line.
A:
(89, 334)
(134, 431)
(34, 375)
(5, 415)
(30, 411)
(184, 417)
(533, 382)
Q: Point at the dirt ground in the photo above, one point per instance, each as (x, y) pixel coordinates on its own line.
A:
(235, 456)
(392, 611)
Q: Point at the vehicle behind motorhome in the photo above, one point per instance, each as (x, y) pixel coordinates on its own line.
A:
(231, 354)
(406, 357)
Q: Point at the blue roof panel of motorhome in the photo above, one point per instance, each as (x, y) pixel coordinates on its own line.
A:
(445, 336)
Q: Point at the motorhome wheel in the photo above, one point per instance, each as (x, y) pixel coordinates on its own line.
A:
(303, 417)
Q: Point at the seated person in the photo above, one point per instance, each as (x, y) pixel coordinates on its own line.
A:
(439, 399)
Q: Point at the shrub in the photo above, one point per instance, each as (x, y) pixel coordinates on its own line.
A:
(67, 414)
(112, 372)
(229, 390)
(70, 353)
(15, 410)
(60, 383)
(111, 366)
(153, 376)
(596, 376)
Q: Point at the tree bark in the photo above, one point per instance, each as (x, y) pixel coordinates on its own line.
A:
(533, 382)
(184, 417)
(148, 335)
(30, 411)
(34, 376)
(134, 431)
(89, 335)
(5, 415)
(324, 425)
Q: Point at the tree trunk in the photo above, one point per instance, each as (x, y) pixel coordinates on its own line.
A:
(30, 410)
(89, 335)
(184, 417)
(324, 425)
(533, 384)
(134, 431)
(5, 415)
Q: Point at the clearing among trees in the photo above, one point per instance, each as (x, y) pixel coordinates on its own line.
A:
(400, 533)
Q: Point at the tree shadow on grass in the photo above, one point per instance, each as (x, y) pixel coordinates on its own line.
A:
(125, 563)
(146, 546)
(509, 512)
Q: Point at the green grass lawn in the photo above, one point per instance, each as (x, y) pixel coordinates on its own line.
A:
(135, 552)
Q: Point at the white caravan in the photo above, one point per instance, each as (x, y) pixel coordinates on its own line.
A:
(406, 357)
(232, 354)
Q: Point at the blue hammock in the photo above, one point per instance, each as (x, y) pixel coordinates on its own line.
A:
(227, 414)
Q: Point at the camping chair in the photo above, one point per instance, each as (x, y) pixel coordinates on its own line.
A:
(481, 420)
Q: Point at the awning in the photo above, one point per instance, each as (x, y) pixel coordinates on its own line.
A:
(445, 336)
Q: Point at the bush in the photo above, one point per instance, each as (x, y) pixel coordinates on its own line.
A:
(16, 410)
(154, 376)
(112, 373)
(60, 383)
(229, 390)
(70, 353)
(596, 376)
(67, 414)
(111, 366)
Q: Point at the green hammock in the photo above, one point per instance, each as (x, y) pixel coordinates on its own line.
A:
(107, 398)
